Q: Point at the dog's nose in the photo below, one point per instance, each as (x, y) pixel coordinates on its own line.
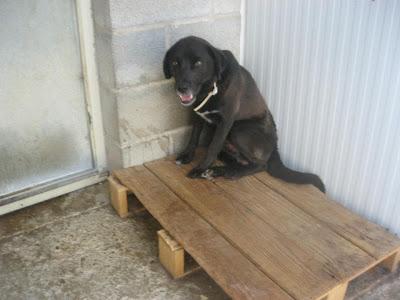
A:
(182, 89)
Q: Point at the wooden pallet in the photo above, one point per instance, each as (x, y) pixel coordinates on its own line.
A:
(257, 237)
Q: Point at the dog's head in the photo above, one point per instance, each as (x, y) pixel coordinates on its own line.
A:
(193, 62)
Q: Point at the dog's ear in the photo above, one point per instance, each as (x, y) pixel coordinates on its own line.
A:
(219, 61)
(167, 65)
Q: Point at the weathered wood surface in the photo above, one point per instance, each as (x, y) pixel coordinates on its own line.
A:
(286, 241)
(370, 237)
(223, 262)
(292, 248)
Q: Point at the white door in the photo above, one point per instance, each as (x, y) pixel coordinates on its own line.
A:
(46, 131)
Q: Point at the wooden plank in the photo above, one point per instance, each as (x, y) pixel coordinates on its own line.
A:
(370, 237)
(225, 264)
(339, 257)
(301, 272)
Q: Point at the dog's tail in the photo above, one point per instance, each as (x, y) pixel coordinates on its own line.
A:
(276, 168)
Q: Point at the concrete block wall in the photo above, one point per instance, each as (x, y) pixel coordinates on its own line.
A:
(142, 116)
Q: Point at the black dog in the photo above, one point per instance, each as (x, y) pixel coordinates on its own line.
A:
(224, 96)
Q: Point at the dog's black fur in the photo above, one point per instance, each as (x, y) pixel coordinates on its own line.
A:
(244, 134)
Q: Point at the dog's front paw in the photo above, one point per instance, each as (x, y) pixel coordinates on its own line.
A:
(217, 171)
(207, 174)
(184, 158)
(196, 173)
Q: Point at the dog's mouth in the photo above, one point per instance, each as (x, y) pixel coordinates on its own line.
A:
(186, 99)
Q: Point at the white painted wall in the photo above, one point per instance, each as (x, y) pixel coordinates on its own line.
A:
(330, 72)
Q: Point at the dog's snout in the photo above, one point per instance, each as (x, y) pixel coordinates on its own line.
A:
(183, 89)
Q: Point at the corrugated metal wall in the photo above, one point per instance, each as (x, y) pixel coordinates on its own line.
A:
(330, 71)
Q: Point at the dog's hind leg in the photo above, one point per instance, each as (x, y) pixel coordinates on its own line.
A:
(230, 155)
(235, 166)
(246, 151)
(252, 142)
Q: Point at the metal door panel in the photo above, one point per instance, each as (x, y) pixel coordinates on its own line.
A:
(44, 130)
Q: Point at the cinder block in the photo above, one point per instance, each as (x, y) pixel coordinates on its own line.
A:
(101, 12)
(138, 56)
(128, 13)
(224, 33)
(180, 138)
(156, 147)
(148, 111)
(105, 64)
(147, 151)
(226, 6)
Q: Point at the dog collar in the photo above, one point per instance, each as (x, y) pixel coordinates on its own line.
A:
(210, 94)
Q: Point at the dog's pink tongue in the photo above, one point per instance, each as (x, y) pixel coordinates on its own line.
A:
(186, 98)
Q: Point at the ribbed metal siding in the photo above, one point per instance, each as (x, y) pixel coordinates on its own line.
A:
(330, 72)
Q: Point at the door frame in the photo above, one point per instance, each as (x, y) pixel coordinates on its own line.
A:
(93, 106)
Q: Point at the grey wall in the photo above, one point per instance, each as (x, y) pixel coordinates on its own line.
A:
(143, 119)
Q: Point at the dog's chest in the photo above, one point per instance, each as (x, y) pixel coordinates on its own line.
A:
(210, 112)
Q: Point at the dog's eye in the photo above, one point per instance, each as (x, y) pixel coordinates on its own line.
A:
(174, 63)
(197, 63)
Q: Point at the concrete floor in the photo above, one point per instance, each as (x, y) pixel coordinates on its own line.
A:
(76, 247)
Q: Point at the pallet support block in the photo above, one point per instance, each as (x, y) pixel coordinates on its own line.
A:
(171, 254)
(120, 200)
(338, 292)
(119, 197)
(392, 262)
